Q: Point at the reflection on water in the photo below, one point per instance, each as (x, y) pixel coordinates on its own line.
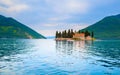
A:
(104, 53)
(49, 57)
(68, 47)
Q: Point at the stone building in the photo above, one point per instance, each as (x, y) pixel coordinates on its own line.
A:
(79, 36)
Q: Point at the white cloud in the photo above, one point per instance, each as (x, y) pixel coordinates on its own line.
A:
(69, 6)
(80, 26)
(12, 6)
(50, 24)
(17, 8)
(59, 18)
(64, 10)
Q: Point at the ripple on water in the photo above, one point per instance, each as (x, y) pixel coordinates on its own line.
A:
(49, 57)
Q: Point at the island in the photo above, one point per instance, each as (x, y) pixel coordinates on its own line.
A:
(70, 35)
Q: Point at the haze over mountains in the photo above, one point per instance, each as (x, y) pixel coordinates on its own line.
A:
(107, 28)
(10, 28)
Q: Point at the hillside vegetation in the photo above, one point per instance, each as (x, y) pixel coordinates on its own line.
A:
(107, 28)
(10, 28)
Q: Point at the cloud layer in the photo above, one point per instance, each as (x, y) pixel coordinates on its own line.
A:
(12, 6)
(68, 6)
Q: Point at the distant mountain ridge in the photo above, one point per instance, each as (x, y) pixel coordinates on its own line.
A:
(107, 28)
(10, 28)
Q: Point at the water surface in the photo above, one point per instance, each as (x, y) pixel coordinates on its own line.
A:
(50, 57)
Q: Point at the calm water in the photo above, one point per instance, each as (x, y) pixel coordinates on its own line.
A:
(49, 57)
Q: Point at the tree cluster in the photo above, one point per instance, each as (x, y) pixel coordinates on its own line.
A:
(69, 33)
(87, 33)
(65, 34)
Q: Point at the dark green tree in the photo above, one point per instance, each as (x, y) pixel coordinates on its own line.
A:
(82, 32)
(79, 31)
(56, 34)
(87, 33)
(69, 34)
(60, 35)
(65, 34)
(92, 35)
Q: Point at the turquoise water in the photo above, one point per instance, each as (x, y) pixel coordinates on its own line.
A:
(50, 57)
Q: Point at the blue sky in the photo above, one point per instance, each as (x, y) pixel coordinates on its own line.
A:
(47, 16)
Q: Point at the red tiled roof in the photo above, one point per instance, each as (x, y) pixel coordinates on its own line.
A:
(79, 34)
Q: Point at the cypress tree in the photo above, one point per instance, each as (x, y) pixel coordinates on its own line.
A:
(56, 34)
(79, 31)
(60, 35)
(69, 33)
(65, 34)
(92, 35)
(87, 33)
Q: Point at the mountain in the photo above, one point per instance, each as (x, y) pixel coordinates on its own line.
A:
(10, 28)
(107, 28)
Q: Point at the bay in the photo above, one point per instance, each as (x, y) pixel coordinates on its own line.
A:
(50, 57)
